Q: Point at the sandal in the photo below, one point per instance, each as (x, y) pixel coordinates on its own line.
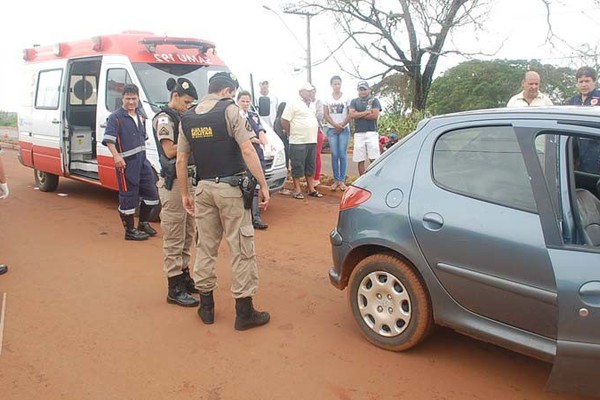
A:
(334, 187)
(298, 196)
(342, 186)
(315, 193)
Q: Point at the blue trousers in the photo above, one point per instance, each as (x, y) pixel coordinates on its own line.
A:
(137, 181)
(338, 144)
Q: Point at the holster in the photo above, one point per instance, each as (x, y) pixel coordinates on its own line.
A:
(247, 185)
(167, 171)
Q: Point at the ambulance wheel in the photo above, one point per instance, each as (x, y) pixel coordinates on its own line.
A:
(45, 182)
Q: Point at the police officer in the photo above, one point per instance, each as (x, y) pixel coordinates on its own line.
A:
(244, 99)
(125, 137)
(219, 138)
(177, 225)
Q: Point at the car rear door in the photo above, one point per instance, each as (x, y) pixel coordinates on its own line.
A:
(475, 218)
(577, 271)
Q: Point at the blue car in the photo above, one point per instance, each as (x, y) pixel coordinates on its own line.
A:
(486, 222)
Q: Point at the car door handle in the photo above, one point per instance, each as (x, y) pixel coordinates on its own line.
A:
(55, 121)
(102, 125)
(590, 293)
(433, 221)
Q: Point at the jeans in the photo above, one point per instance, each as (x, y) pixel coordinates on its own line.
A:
(338, 144)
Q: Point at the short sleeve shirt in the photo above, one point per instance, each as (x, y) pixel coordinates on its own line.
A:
(164, 127)
(338, 108)
(304, 127)
(362, 104)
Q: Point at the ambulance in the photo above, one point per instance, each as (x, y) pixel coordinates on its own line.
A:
(72, 87)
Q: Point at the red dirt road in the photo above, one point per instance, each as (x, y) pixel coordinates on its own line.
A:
(86, 317)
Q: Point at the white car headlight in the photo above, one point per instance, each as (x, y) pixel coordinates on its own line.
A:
(279, 159)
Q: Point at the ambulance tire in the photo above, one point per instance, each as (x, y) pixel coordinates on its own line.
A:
(44, 181)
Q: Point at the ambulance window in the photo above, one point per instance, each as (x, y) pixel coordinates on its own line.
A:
(48, 89)
(117, 78)
(82, 90)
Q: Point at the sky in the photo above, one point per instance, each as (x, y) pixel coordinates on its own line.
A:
(270, 45)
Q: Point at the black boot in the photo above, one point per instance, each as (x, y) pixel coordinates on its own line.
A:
(144, 225)
(206, 311)
(256, 221)
(178, 295)
(188, 282)
(246, 317)
(130, 232)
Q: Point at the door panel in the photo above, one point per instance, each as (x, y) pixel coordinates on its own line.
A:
(485, 244)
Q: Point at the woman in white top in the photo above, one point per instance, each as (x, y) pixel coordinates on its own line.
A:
(335, 110)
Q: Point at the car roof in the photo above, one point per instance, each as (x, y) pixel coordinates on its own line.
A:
(527, 112)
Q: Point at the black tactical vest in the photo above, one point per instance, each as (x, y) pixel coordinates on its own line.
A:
(216, 153)
(175, 117)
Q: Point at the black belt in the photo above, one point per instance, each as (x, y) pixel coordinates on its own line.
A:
(233, 180)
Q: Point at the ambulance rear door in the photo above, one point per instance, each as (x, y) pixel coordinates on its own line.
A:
(115, 73)
(45, 125)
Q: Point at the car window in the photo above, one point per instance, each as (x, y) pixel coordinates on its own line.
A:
(484, 163)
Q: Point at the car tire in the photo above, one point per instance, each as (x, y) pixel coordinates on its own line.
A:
(390, 303)
(44, 181)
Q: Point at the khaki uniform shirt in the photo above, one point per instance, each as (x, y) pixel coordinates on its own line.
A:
(164, 127)
(238, 126)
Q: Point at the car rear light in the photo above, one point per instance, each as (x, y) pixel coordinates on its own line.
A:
(354, 196)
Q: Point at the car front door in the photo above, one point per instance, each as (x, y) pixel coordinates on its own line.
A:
(475, 218)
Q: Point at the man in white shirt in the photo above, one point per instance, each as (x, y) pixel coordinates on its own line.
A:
(531, 95)
(300, 121)
(267, 104)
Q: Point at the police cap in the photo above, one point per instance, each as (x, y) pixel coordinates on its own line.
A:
(182, 87)
(226, 77)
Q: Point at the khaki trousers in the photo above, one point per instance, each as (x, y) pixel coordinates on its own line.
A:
(178, 229)
(220, 212)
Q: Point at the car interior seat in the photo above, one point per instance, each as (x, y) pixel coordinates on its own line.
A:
(588, 216)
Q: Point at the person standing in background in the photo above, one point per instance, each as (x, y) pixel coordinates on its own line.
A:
(364, 110)
(318, 108)
(4, 192)
(335, 111)
(267, 104)
(588, 149)
(244, 99)
(530, 95)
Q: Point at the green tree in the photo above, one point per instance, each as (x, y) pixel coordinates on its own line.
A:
(478, 84)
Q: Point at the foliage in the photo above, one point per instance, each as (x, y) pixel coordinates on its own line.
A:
(8, 118)
(401, 125)
(480, 84)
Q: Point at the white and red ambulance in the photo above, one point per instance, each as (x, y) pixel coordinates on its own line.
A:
(72, 87)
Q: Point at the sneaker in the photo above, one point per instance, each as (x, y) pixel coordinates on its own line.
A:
(335, 186)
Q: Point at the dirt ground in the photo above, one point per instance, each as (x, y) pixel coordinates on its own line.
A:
(85, 317)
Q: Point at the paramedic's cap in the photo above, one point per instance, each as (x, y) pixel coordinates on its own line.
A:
(362, 85)
(306, 86)
(188, 88)
(225, 77)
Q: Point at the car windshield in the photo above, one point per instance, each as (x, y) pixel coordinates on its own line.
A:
(153, 78)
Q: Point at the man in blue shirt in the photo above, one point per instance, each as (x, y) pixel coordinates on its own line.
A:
(364, 110)
(125, 137)
(589, 149)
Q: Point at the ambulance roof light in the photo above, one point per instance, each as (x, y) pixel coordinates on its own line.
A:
(97, 43)
(181, 43)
